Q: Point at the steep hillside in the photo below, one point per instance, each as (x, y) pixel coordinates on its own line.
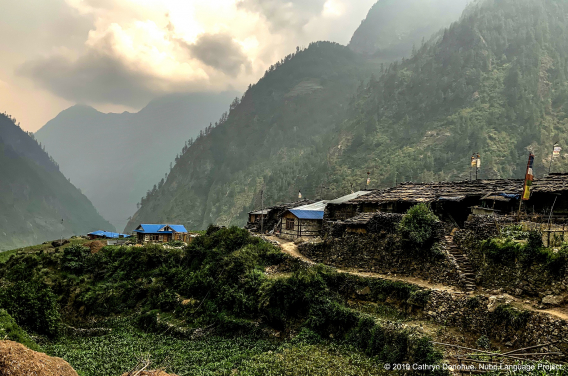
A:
(392, 27)
(35, 196)
(263, 140)
(115, 158)
(493, 83)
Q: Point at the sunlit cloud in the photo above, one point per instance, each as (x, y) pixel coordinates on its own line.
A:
(137, 50)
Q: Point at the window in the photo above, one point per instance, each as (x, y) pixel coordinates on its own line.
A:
(289, 224)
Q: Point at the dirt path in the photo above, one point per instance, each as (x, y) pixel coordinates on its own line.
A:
(291, 249)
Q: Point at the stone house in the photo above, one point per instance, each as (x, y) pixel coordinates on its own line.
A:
(301, 224)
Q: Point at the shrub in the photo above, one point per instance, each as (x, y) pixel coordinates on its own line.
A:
(33, 305)
(502, 251)
(74, 258)
(418, 226)
(12, 331)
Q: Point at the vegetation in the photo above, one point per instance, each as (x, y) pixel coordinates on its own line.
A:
(508, 249)
(418, 227)
(216, 285)
(494, 82)
(33, 190)
(13, 332)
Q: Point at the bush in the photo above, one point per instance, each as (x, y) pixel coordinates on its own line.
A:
(557, 262)
(502, 251)
(74, 258)
(33, 305)
(418, 226)
(12, 331)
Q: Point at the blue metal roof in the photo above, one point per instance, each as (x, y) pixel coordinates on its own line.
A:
(108, 234)
(307, 214)
(159, 229)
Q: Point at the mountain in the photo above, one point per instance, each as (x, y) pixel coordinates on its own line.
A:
(493, 83)
(115, 158)
(393, 27)
(35, 196)
(274, 137)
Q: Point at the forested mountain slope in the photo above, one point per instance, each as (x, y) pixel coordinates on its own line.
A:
(35, 196)
(115, 158)
(493, 83)
(393, 27)
(263, 140)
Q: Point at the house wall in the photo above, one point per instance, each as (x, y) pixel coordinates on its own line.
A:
(304, 228)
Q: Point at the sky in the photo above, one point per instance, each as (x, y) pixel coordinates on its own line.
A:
(117, 55)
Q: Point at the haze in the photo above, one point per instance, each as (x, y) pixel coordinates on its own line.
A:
(118, 55)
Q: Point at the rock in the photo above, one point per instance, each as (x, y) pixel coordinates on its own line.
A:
(17, 360)
(364, 291)
(59, 243)
(553, 300)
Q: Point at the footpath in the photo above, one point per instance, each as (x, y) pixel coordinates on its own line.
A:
(290, 248)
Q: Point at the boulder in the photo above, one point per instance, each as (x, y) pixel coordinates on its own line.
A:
(17, 360)
(553, 300)
(59, 243)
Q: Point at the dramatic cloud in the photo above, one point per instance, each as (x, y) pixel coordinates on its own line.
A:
(220, 51)
(116, 70)
(119, 54)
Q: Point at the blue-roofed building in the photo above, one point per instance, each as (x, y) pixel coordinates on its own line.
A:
(153, 233)
(301, 223)
(106, 235)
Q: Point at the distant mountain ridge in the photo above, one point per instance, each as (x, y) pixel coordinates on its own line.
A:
(116, 158)
(35, 196)
(393, 27)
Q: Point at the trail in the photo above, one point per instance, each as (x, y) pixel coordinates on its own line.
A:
(291, 249)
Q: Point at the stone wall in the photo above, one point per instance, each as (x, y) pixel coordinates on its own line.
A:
(381, 253)
(493, 317)
(515, 278)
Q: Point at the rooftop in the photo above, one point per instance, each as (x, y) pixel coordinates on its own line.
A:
(458, 190)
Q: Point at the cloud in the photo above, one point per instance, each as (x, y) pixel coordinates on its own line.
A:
(137, 50)
(117, 68)
(285, 14)
(221, 52)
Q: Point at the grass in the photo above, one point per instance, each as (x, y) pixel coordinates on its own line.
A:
(5, 255)
(119, 351)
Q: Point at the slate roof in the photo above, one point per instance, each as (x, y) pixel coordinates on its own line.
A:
(159, 229)
(307, 214)
(459, 190)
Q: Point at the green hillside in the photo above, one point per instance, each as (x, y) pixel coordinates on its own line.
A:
(279, 123)
(35, 196)
(492, 83)
(495, 83)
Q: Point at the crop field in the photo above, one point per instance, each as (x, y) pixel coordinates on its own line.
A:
(120, 351)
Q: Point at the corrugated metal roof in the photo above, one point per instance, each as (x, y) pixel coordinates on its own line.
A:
(158, 229)
(258, 212)
(349, 197)
(108, 234)
(316, 206)
(307, 214)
